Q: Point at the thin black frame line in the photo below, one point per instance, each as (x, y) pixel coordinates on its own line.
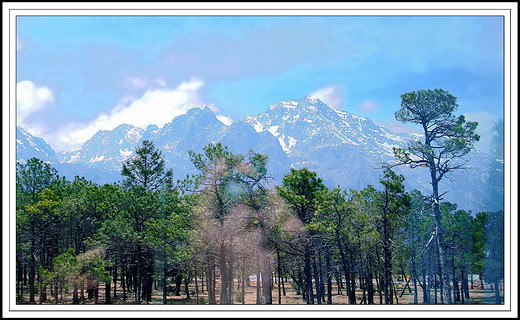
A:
(263, 9)
(265, 16)
(510, 141)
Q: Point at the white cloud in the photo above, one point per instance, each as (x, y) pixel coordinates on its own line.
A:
(486, 128)
(30, 99)
(143, 82)
(20, 44)
(368, 106)
(156, 106)
(160, 82)
(331, 96)
(225, 120)
(136, 83)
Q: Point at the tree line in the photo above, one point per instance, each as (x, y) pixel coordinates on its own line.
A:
(228, 222)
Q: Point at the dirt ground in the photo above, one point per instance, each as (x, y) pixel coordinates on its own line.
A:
(477, 296)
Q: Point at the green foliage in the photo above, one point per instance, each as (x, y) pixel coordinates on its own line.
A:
(146, 169)
(32, 177)
(72, 233)
(494, 252)
(92, 264)
(66, 265)
(238, 296)
(303, 190)
(446, 136)
(478, 243)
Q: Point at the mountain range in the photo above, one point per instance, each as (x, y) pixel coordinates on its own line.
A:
(344, 149)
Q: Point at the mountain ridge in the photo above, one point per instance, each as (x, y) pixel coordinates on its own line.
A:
(344, 149)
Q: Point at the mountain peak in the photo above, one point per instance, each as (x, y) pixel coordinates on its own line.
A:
(199, 110)
(301, 103)
(312, 99)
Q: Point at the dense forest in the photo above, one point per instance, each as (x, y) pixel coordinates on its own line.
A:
(79, 242)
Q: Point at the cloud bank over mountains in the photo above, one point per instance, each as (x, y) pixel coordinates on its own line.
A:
(156, 106)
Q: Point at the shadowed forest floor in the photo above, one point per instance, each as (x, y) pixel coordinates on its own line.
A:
(477, 296)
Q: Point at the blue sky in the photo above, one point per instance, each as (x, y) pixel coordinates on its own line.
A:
(79, 74)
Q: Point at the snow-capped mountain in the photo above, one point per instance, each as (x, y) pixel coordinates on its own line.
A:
(344, 149)
(28, 146)
(106, 149)
(308, 124)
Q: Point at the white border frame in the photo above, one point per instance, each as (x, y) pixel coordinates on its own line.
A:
(510, 12)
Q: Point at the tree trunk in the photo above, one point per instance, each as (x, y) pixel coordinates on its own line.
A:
(338, 282)
(115, 279)
(196, 287)
(123, 279)
(498, 299)
(386, 260)
(435, 287)
(317, 283)
(148, 276)
(328, 275)
(178, 283)
(243, 281)
(107, 293)
(137, 288)
(308, 276)
(165, 283)
(82, 293)
(75, 299)
(186, 286)
(344, 264)
(443, 274)
(258, 276)
(223, 275)
(466, 286)
(370, 286)
(300, 288)
(426, 291)
(280, 279)
(266, 279)
(32, 272)
(352, 286)
(378, 284)
(322, 284)
(211, 283)
(96, 294)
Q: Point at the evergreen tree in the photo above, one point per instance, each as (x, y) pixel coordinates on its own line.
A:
(494, 254)
(145, 175)
(146, 169)
(303, 190)
(447, 140)
(31, 179)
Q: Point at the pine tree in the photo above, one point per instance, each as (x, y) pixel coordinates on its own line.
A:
(447, 140)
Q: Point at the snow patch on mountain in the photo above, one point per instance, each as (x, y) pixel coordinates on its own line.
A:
(287, 142)
(98, 158)
(74, 158)
(273, 130)
(125, 153)
(289, 104)
(133, 135)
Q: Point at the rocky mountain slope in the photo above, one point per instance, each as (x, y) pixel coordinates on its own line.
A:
(344, 149)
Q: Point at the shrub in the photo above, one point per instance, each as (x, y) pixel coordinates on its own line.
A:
(238, 296)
